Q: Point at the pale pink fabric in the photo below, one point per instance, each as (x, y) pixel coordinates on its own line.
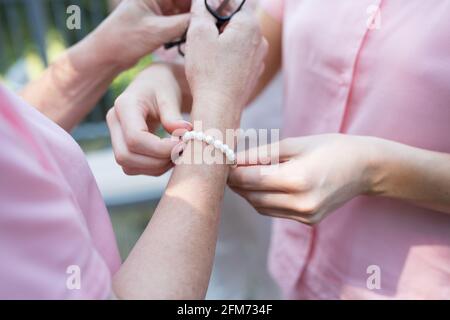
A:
(394, 83)
(52, 215)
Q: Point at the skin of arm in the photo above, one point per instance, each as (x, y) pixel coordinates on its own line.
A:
(174, 256)
(317, 174)
(72, 85)
(272, 31)
(412, 174)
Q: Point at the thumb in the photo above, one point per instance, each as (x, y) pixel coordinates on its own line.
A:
(170, 113)
(172, 26)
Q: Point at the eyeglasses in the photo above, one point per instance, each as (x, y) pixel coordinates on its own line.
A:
(222, 10)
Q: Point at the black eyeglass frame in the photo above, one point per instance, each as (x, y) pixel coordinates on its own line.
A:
(221, 21)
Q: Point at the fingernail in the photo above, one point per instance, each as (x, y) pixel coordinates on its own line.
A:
(185, 123)
(179, 132)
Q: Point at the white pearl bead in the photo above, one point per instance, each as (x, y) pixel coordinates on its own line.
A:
(209, 140)
(200, 136)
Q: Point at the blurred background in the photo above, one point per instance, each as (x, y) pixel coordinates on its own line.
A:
(32, 34)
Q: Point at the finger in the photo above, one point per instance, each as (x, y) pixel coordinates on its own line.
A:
(252, 178)
(166, 6)
(286, 214)
(273, 200)
(162, 93)
(202, 24)
(136, 135)
(261, 155)
(275, 204)
(183, 5)
(171, 26)
(154, 6)
(275, 153)
(199, 11)
(147, 172)
(169, 105)
(127, 159)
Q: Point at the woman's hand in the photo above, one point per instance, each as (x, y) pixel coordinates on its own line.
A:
(223, 68)
(315, 176)
(73, 84)
(138, 27)
(152, 98)
(187, 218)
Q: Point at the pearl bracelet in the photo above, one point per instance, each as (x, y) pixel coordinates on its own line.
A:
(219, 145)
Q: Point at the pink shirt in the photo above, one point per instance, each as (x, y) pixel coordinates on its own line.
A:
(53, 221)
(391, 82)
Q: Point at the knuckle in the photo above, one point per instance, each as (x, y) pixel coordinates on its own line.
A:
(313, 220)
(132, 142)
(110, 115)
(121, 158)
(262, 212)
(254, 200)
(308, 206)
(300, 182)
(119, 102)
(303, 183)
(290, 184)
(130, 172)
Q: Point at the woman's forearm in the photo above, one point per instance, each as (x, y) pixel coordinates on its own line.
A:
(174, 257)
(70, 88)
(412, 174)
(272, 31)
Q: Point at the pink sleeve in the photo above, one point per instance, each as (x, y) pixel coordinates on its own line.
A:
(275, 8)
(45, 247)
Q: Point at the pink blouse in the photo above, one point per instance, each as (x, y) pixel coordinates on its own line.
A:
(376, 68)
(56, 239)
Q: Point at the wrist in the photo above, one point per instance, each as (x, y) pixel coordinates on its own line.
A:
(377, 165)
(216, 112)
(88, 56)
